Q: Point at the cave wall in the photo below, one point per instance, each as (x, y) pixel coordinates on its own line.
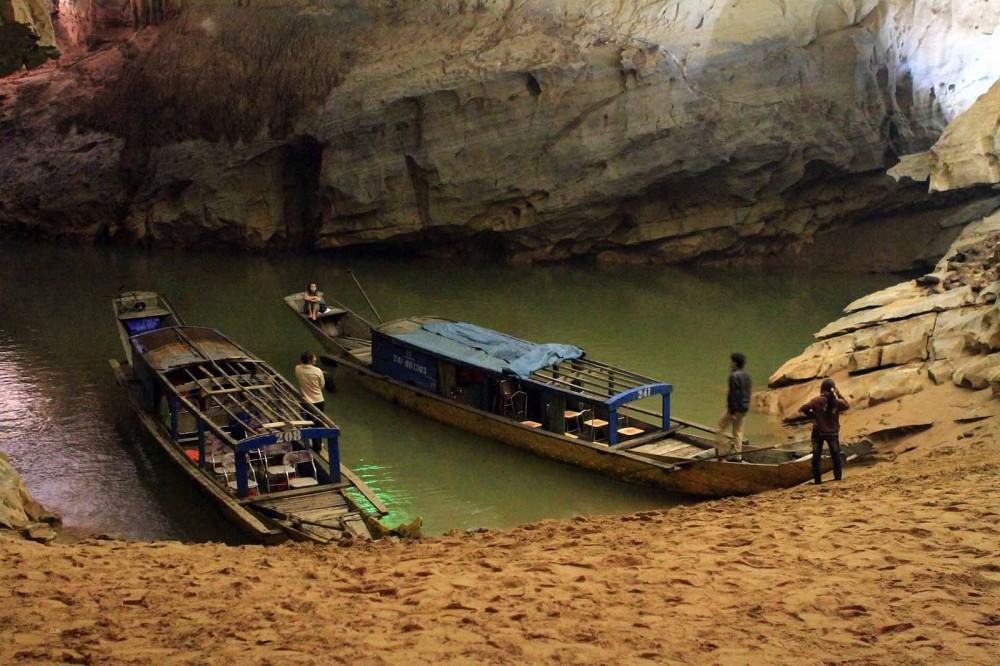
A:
(27, 38)
(648, 131)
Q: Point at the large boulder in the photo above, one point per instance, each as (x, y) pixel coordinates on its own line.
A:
(977, 372)
(899, 310)
(888, 384)
(820, 359)
(968, 152)
(18, 509)
(940, 328)
(877, 345)
(973, 329)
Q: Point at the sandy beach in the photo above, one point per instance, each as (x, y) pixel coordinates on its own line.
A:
(896, 564)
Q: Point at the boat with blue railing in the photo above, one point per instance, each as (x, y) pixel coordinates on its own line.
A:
(243, 433)
(550, 399)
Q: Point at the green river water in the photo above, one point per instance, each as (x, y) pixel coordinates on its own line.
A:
(67, 427)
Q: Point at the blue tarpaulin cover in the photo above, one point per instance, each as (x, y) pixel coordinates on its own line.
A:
(481, 347)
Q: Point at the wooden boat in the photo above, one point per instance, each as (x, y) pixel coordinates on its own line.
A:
(569, 408)
(237, 428)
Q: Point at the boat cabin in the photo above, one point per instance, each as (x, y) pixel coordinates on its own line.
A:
(547, 386)
(231, 413)
(141, 319)
(139, 312)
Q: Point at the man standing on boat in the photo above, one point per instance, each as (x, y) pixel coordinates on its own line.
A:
(737, 406)
(825, 411)
(311, 380)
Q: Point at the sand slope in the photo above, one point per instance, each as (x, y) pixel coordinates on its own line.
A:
(898, 564)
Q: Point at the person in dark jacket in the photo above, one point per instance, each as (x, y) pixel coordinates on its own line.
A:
(737, 406)
(825, 411)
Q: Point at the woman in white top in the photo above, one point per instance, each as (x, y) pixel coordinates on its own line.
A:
(311, 301)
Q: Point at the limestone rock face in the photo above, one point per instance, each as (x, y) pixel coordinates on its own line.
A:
(900, 340)
(653, 131)
(17, 508)
(967, 154)
(978, 372)
(26, 35)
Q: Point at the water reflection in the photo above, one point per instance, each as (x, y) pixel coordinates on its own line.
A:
(64, 422)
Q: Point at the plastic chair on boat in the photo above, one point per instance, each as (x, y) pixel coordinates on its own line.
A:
(229, 470)
(291, 461)
(589, 418)
(510, 397)
(215, 451)
(274, 469)
(216, 458)
(574, 416)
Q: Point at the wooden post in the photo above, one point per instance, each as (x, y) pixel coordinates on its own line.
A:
(333, 455)
(666, 411)
(201, 444)
(557, 413)
(612, 426)
(242, 485)
(173, 417)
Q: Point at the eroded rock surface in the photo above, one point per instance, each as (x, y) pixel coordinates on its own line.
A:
(652, 131)
(18, 510)
(26, 35)
(967, 154)
(908, 337)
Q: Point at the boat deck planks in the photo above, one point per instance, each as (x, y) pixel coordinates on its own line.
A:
(290, 505)
(670, 448)
(363, 355)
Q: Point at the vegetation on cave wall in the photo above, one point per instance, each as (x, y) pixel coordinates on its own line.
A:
(230, 74)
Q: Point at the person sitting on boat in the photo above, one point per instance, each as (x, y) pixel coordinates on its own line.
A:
(825, 411)
(737, 406)
(311, 301)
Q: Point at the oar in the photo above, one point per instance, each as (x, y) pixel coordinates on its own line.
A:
(368, 300)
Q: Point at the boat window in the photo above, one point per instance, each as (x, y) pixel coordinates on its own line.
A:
(142, 325)
(470, 387)
(446, 378)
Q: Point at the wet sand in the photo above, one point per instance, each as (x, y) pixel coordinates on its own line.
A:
(896, 564)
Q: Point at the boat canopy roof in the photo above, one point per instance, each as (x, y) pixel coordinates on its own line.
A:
(261, 406)
(558, 368)
(168, 348)
(598, 382)
(477, 346)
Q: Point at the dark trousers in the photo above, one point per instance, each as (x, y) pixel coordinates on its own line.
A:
(317, 444)
(834, 443)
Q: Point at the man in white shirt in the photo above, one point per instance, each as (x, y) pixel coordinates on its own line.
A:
(311, 380)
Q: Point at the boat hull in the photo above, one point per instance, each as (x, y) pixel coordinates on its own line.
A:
(248, 523)
(701, 478)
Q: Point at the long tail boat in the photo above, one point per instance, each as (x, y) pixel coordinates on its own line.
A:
(269, 459)
(550, 400)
